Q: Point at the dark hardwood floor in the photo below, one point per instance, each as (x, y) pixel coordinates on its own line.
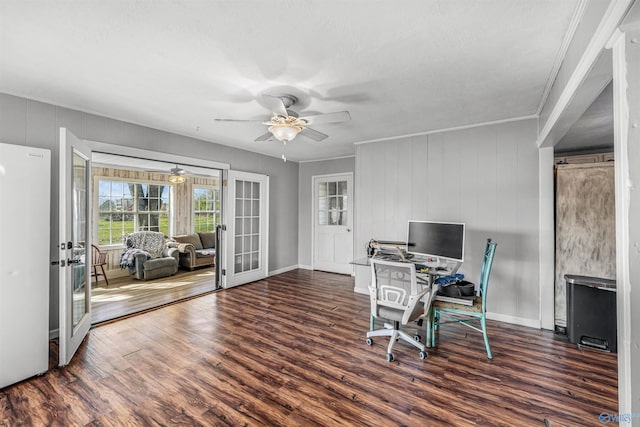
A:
(290, 351)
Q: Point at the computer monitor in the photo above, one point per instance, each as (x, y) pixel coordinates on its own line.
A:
(442, 240)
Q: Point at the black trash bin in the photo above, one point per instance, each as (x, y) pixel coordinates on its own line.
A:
(591, 312)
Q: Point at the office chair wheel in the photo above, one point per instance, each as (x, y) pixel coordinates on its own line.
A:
(423, 355)
(369, 341)
(389, 357)
(417, 337)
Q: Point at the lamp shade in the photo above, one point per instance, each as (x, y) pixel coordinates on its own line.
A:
(176, 178)
(285, 132)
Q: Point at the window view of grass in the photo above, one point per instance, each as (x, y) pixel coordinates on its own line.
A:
(206, 209)
(113, 232)
(125, 207)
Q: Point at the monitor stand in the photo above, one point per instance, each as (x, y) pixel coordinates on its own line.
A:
(379, 247)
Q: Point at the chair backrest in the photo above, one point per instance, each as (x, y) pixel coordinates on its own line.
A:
(150, 241)
(485, 272)
(394, 285)
(97, 256)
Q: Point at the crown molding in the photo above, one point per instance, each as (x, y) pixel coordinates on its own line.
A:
(327, 159)
(451, 129)
(566, 42)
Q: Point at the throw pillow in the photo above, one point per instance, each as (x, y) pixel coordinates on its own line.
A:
(208, 239)
(189, 238)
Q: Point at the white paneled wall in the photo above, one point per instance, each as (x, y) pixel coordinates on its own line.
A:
(486, 177)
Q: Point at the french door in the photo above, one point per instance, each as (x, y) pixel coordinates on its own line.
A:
(246, 257)
(74, 244)
(332, 223)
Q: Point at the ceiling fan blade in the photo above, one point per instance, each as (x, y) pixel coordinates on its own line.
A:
(237, 120)
(313, 134)
(340, 116)
(264, 137)
(275, 104)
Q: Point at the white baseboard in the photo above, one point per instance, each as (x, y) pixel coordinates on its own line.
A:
(283, 270)
(522, 321)
(361, 291)
(305, 267)
(54, 334)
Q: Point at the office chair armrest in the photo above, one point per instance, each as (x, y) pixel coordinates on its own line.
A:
(413, 300)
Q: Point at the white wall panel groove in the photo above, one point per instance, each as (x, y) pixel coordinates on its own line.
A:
(486, 177)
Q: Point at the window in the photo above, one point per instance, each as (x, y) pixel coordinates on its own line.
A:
(125, 207)
(332, 203)
(206, 208)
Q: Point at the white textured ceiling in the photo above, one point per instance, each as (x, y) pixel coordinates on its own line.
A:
(594, 129)
(399, 68)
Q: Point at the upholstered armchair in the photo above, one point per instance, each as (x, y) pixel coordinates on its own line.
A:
(148, 257)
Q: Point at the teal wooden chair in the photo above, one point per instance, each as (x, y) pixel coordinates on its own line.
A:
(464, 314)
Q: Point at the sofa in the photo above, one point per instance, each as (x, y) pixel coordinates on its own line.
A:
(196, 249)
(148, 256)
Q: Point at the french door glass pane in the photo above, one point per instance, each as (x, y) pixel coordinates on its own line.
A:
(343, 218)
(247, 220)
(322, 189)
(342, 188)
(322, 218)
(80, 304)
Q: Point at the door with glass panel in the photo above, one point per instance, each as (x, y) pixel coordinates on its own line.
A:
(74, 244)
(246, 237)
(333, 223)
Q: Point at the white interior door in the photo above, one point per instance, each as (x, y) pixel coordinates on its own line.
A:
(333, 223)
(74, 244)
(246, 203)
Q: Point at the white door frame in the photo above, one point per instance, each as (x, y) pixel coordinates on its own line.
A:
(623, 196)
(352, 217)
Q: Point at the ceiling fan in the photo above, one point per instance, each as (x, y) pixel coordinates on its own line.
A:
(285, 125)
(179, 175)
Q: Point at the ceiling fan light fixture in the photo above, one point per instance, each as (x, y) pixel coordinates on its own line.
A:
(284, 132)
(176, 178)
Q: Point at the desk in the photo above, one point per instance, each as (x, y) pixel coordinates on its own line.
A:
(434, 271)
(363, 271)
(363, 274)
